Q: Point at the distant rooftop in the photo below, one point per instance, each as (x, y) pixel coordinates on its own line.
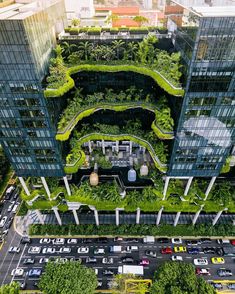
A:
(210, 8)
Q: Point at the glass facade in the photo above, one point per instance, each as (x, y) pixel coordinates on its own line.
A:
(26, 130)
(206, 129)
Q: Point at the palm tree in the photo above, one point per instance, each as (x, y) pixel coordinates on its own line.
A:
(111, 18)
(85, 48)
(68, 48)
(132, 49)
(117, 45)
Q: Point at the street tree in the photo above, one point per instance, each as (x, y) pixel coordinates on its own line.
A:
(68, 278)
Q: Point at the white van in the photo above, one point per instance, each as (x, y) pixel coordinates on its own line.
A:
(149, 239)
(223, 241)
(14, 209)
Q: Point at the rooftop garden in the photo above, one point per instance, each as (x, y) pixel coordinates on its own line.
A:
(80, 107)
(143, 58)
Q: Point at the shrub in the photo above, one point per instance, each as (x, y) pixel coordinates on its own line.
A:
(74, 31)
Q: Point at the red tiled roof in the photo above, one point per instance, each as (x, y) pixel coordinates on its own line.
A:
(132, 10)
(127, 22)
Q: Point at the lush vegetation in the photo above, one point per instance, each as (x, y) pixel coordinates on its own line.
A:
(178, 278)
(134, 230)
(80, 107)
(68, 277)
(5, 171)
(12, 288)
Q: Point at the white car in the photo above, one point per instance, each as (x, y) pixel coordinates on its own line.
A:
(48, 250)
(96, 271)
(45, 241)
(43, 260)
(83, 249)
(14, 250)
(3, 221)
(65, 250)
(58, 241)
(34, 250)
(72, 241)
(61, 259)
(200, 261)
(107, 260)
(10, 206)
(17, 272)
(99, 251)
(176, 241)
(176, 258)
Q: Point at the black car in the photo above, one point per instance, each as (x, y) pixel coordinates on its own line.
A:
(220, 251)
(25, 240)
(217, 286)
(223, 272)
(205, 240)
(108, 272)
(163, 240)
(9, 222)
(102, 240)
(192, 242)
(209, 250)
(88, 240)
(29, 261)
(130, 240)
(151, 253)
(127, 260)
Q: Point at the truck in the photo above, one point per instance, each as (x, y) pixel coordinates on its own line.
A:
(149, 239)
(115, 249)
(131, 269)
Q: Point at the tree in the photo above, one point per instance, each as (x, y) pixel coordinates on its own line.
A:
(140, 19)
(179, 278)
(131, 51)
(85, 48)
(75, 22)
(117, 46)
(4, 164)
(111, 18)
(68, 48)
(12, 288)
(70, 277)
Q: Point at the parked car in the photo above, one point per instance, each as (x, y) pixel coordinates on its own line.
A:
(9, 209)
(202, 272)
(181, 249)
(118, 239)
(34, 273)
(91, 260)
(127, 260)
(176, 241)
(48, 250)
(25, 240)
(17, 272)
(193, 242)
(43, 260)
(205, 240)
(14, 249)
(45, 241)
(108, 272)
(223, 241)
(209, 250)
(151, 253)
(100, 283)
(87, 240)
(200, 261)
(130, 240)
(99, 251)
(107, 260)
(144, 261)
(58, 241)
(3, 221)
(84, 250)
(15, 207)
(217, 286)
(163, 240)
(193, 250)
(29, 261)
(72, 241)
(232, 242)
(224, 272)
(8, 223)
(61, 259)
(217, 260)
(23, 285)
(176, 258)
(101, 240)
(65, 250)
(231, 286)
(34, 249)
(220, 251)
(166, 250)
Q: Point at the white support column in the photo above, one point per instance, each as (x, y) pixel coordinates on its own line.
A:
(177, 218)
(117, 146)
(218, 215)
(117, 216)
(46, 187)
(209, 187)
(130, 147)
(40, 217)
(103, 147)
(67, 186)
(188, 186)
(96, 217)
(75, 216)
(89, 146)
(55, 209)
(144, 149)
(197, 215)
(23, 184)
(165, 187)
(138, 216)
(159, 215)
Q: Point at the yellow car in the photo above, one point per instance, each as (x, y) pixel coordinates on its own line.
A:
(217, 260)
(180, 249)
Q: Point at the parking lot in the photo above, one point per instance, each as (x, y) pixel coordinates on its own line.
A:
(90, 245)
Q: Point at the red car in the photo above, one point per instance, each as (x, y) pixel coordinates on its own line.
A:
(232, 242)
(166, 250)
(144, 261)
(202, 272)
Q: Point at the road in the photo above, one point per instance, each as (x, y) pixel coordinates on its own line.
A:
(16, 260)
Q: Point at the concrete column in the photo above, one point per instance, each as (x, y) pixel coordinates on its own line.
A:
(197, 215)
(209, 187)
(144, 149)
(117, 146)
(130, 147)
(138, 216)
(159, 215)
(23, 184)
(103, 147)
(177, 218)
(75, 216)
(218, 215)
(117, 216)
(67, 185)
(123, 193)
(57, 215)
(96, 217)
(46, 187)
(188, 186)
(89, 146)
(39, 215)
(165, 187)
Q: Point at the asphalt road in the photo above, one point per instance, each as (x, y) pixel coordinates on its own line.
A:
(16, 260)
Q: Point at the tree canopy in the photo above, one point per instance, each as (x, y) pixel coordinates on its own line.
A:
(13, 288)
(179, 278)
(68, 278)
